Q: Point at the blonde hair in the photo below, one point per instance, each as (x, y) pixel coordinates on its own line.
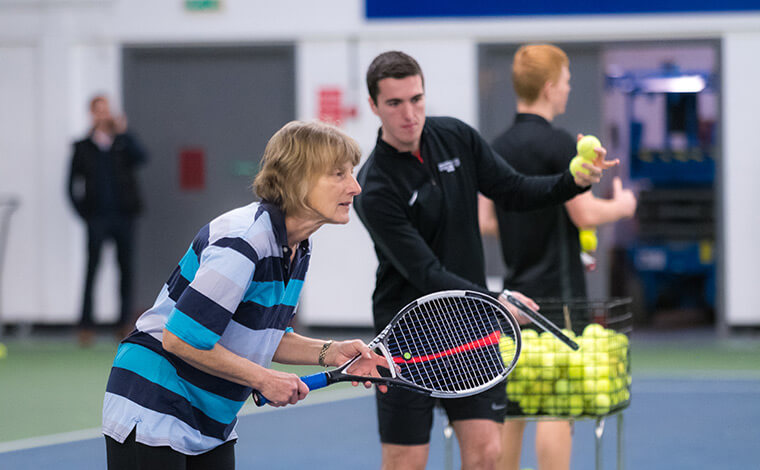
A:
(296, 156)
(534, 66)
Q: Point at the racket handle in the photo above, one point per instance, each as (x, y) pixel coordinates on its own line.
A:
(313, 381)
(541, 321)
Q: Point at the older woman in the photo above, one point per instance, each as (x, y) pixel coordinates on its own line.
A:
(180, 378)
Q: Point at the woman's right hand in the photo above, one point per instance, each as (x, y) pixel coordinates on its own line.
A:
(282, 388)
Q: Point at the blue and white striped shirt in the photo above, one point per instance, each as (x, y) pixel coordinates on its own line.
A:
(235, 286)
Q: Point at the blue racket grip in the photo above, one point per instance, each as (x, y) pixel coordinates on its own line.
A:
(313, 381)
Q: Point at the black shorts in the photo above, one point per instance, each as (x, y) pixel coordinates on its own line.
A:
(405, 417)
(132, 455)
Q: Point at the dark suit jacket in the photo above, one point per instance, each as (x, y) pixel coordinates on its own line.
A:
(126, 156)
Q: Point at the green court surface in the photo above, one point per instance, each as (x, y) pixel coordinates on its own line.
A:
(49, 385)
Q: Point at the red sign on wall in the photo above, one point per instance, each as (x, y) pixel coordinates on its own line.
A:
(192, 169)
(330, 106)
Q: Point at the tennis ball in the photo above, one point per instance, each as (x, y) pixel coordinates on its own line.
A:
(576, 405)
(528, 334)
(593, 330)
(588, 240)
(575, 359)
(576, 165)
(602, 404)
(561, 358)
(586, 146)
(589, 386)
(549, 404)
(602, 357)
(562, 387)
(3, 351)
(563, 405)
(515, 387)
(575, 372)
(530, 404)
(531, 373)
(603, 385)
(597, 371)
(569, 333)
(407, 356)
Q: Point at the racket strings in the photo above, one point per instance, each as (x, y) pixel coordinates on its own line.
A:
(451, 344)
(464, 375)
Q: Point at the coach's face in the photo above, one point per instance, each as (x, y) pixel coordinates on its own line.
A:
(559, 91)
(401, 109)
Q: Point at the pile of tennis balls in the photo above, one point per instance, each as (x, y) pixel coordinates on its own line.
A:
(552, 379)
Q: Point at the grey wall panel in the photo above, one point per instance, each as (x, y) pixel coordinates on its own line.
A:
(226, 101)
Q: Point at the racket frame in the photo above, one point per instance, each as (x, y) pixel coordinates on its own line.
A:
(540, 320)
(379, 343)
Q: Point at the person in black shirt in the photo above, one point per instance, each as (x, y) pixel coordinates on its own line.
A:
(103, 190)
(541, 249)
(419, 205)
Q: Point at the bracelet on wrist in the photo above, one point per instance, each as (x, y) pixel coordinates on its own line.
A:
(323, 353)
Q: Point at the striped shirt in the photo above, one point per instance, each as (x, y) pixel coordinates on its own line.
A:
(235, 286)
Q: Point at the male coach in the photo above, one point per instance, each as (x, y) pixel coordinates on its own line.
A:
(419, 204)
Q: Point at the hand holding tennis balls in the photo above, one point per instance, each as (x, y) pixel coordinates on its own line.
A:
(576, 166)
(586, 146)
(595, 161)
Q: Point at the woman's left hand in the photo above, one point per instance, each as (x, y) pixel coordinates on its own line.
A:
(341, 352)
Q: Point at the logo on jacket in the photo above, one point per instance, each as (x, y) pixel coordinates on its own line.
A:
(449, 166)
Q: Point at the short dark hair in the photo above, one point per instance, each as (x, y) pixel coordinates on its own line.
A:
(391, 64)
(97, 99)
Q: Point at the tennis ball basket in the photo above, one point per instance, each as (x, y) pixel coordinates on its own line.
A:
(552, 380)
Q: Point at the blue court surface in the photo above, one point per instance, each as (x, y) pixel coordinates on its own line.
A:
(673, 423)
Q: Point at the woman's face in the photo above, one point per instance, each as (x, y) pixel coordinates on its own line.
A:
(331, 195)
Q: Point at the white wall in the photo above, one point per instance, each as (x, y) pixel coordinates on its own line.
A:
(55, 54)
(741, 166)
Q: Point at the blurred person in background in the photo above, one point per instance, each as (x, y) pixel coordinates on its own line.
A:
(180, 378)
(104, 191)
(541, 248)
(420, 206)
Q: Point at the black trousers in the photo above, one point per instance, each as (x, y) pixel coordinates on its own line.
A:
(132, 455)
(120, 229)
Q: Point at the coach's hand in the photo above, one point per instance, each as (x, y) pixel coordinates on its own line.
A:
(594, 168)
(521, 319)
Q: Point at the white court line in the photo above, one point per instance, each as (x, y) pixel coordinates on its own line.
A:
(697, 374)
(50, 440)
(248, 409)
(701, 386)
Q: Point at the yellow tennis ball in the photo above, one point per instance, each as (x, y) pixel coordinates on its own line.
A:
(576, 166)
(586, 147)
(588, 240)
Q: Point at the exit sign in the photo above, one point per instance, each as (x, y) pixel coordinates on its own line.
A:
(203, 5)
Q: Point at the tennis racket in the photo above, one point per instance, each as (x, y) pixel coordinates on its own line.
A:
(448, 344)
(540, 320)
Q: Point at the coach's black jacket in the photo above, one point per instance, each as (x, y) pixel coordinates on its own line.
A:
(125, 156)
(423, 218)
